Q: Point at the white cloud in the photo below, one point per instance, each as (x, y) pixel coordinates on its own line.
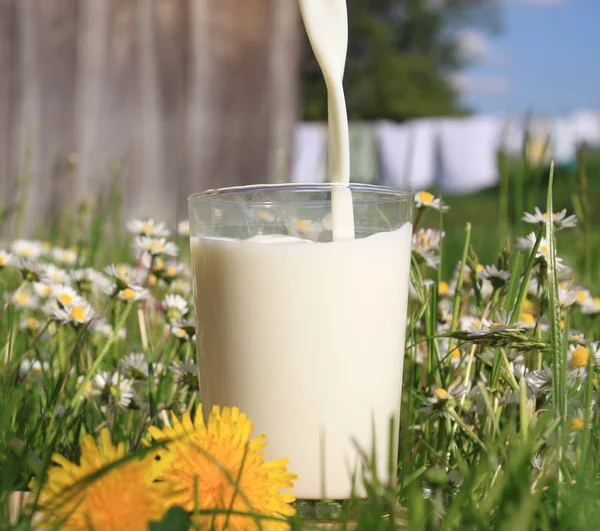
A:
(472, 45)
(468, 84)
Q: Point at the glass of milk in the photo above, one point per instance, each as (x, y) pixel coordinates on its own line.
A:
(303, 333)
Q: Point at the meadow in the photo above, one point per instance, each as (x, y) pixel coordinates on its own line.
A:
(500, 425)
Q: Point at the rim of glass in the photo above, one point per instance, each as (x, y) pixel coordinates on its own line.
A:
(388, 193)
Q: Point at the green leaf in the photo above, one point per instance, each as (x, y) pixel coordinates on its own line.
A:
(175, 519)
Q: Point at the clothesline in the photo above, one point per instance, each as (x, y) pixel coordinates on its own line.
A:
(458, 155)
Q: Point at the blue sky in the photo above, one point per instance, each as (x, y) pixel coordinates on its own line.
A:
(546, 59)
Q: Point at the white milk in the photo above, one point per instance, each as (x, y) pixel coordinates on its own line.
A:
(308, 340)
(326, 23)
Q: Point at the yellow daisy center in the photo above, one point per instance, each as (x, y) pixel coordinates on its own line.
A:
(209, 455)
(159, 263)
(152, 280)
(443, 288)
(479, 268)
(155, 246)
(171, 271)
(579, 357)
(426, 198)
(2, 260)
(528, 306)
(302, 225)
(33, 324)
(128, 293)
(528, 318)
(544, 249)
(596, 301)
(441, 393)
(22, 298)
(26, 251)
(562, 324)
(581, 295)
(577, 424)
(46, 290)
(455, 354)
(78, 313)
(477, 323)
(46, 246)
(65, 298)
(147, 228)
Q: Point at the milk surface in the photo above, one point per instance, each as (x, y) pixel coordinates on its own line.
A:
(308, 340)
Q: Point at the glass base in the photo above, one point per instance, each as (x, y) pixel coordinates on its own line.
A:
(342, 514)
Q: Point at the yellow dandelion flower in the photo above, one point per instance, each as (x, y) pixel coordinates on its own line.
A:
(125, 498)
(216, 455)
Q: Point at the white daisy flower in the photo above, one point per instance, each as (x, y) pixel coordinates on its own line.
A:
(175, 307)
(455, 358)
(180, 286)
(183, 228)
(544, 252)
(148, 227)
(577, 337)
(583, 296)
(578, 358)
(28, 249)
(527, 243)
(186, 374)
(112, 388)
(34, 370)
(57, 275)
(88, 279)
(426, 243)
(304, 228)
(30, 324)
(442, 398)
(496, 276)
(42, 289)
(89, 387)
(102, 327)
(539, 380)
(23, 299)
(560, 219)
(577, 422)
(425, 199)
(64, 256)
(183, 329)
(122, 274)
(592, 306)
(81, 312)
(566, 297)
(483, 327)
(145, 246)
(6, 259)
(134, 366)
(171, 270)
(65, 295)
(134, 294)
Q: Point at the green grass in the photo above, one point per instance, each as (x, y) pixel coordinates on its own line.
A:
(481, 445)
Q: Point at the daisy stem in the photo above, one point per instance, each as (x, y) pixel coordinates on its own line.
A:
(99, 358)
(468, 429)
(526, 277)
(459, 285)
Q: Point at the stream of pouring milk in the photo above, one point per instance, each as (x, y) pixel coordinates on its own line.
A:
(326, 23)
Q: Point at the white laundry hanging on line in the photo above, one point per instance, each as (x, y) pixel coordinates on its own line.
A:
(586, 127)
(512, 136)
(563, 140)
(408, 153)
(469, 153)
(309, 159)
